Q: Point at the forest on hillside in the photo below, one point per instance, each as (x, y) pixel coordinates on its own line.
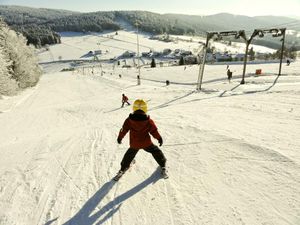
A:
(42, 26)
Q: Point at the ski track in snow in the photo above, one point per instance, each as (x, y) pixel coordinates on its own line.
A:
(232, 151)
(59, 170)
(62, 167)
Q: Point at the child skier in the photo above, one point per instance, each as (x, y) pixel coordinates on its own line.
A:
(124, 100)
(140, 126)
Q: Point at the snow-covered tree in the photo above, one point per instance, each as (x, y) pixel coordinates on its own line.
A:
(8, 86)
(22, 62)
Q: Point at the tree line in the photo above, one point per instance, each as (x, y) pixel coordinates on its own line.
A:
(41, 26)
(41, 30)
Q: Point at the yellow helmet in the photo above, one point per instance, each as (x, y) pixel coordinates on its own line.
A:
(139, 104)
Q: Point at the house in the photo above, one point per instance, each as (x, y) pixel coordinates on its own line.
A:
(185, 53)
(223, 57)
(97, 52)
(190, 59)
(167, 51)
(238, 57)
(128, 54)
(155, 54)
(146, 54)
(218, 57)
(177, 51)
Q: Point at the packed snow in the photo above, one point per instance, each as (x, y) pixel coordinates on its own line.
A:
(233, 151)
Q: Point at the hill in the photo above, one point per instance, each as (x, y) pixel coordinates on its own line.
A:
(34, 22)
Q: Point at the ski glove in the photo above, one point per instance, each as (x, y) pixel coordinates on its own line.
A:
(160, 141)
(119, 140)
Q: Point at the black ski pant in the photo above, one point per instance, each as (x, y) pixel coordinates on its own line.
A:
(157, 154)
(124, 103)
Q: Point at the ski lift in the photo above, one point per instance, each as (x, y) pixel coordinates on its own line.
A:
(261, 34)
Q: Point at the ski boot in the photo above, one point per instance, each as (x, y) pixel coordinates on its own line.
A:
(164, 173)
(119, 175)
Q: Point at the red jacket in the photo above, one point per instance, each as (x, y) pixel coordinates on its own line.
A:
(124, 98)
(139, 127)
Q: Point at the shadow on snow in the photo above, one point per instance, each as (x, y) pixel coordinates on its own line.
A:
(222, 95)
(85, 216)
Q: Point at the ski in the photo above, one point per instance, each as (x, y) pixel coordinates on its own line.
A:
(121, 173)
(165, 176)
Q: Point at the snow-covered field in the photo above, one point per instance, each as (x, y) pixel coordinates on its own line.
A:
(233, 150)
(77, 45)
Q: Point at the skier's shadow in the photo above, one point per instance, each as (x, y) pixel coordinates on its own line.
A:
(115, 109)
(85, 216)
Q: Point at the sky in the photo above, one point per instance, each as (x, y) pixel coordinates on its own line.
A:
(194, 7)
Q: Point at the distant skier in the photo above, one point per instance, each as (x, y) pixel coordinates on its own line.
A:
(124, 100)
(229, 75)
(288, 62)
(140, 126)
(138, 80)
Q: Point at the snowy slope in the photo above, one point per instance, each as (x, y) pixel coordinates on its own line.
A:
(232, 150)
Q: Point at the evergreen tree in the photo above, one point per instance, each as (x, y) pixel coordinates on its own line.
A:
(287, 53)
(292, 52)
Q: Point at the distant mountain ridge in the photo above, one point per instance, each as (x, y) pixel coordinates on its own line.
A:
(34, 20)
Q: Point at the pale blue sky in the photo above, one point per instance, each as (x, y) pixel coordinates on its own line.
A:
(196, 7)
